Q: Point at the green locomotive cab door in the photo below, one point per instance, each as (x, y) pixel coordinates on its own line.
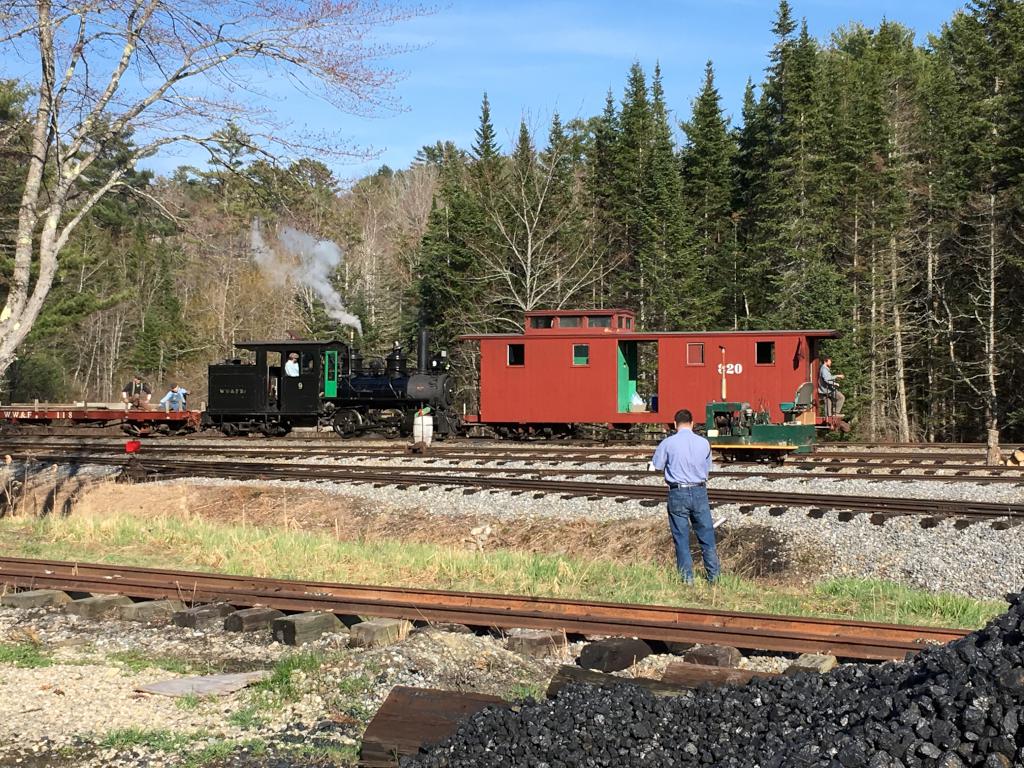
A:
(330, 373)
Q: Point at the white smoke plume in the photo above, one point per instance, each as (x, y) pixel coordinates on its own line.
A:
(312, 263)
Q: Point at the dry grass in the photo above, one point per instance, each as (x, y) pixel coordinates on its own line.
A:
(317, 536)
(749, 551)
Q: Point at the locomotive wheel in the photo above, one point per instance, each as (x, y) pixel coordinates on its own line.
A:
(347, 422)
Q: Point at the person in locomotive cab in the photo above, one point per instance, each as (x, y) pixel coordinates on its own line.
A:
(828, 388)
(174, 400)
(685, 458)
(291, 366)
(136, 393)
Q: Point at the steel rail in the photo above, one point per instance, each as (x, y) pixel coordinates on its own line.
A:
(848, 639)
(800, 470)
(422, 476)
(891, 462)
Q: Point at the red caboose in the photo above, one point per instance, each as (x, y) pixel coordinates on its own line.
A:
(575, 367)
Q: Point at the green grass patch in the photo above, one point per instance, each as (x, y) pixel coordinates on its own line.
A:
(247, 550)
(24, 655)
(190, 702)
(135, 661)
(349, 695)
(163, 740)
(520, 691)
(277, 690)
(249, 716)
(159, 739)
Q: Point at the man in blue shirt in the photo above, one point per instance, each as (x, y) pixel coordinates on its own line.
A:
(174, 400)
(828, 388)
(685, 457)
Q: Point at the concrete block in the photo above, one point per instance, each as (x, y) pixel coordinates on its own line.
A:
(35, 598)
(813, 662)
(714, 656)
(150, 612)
(305, 627)
(98, 606)
(251, 619)
(378, 632)
(538, 643)
(613, 654)
(202, 615)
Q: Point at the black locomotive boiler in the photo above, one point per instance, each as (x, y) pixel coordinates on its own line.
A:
(329, 385)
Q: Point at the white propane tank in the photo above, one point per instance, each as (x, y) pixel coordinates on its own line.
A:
(423, 428)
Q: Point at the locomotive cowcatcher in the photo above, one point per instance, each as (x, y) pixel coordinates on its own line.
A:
(333, 389)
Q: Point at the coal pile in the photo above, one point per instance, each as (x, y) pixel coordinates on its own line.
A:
(958, 705)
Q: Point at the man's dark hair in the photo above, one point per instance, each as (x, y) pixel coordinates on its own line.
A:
(827, 359)
(683, 416)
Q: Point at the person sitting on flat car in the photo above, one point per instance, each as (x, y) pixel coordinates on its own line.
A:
(174, 400)
(136, 393)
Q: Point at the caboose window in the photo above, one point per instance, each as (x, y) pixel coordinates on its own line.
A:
(581, 354)
(542, 322)
(764, 352)
(572, 321)
(517, 354)
(695, 353)
(599, 321)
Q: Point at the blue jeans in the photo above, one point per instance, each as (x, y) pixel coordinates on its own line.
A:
(686, 506)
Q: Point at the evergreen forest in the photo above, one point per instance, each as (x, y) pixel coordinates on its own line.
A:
(873, 183)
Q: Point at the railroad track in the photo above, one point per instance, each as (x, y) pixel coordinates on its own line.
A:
(781, 634)
(890, 463)
(795, 470)
(472, 481)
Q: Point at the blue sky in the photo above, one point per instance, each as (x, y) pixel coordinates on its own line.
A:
(535, 56)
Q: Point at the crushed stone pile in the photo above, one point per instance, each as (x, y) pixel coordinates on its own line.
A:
(948, 707)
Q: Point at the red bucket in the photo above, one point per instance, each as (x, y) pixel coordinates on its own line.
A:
(132, 446)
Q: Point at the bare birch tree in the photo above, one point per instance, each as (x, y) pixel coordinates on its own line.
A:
(530, 263)
(162, 73)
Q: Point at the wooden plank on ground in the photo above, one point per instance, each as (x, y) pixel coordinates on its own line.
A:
(568, 674)
(687, 675)
(411, 718)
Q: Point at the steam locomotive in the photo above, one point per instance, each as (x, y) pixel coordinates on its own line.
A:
(334, 387)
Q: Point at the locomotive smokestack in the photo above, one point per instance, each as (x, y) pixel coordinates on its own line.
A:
(423, 351)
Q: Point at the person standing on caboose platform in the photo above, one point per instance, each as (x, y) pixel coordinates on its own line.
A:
(828, 388)
(685, 458)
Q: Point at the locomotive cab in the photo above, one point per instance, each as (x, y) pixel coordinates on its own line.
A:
(281, 384)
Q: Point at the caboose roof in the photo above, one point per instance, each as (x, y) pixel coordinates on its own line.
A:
(563, 312)
(817, 333)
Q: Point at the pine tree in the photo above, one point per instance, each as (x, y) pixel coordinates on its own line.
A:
(631, 283)
(708, 194)
(485, 148)
(751, 171)
(678, 291)
(601, 190)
